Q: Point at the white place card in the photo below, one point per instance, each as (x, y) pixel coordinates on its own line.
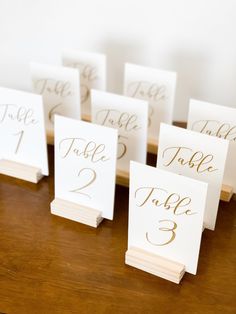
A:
(85, 164)
(219, 121)
(92, 67)
(166, 213)
(197, 156)
(59, 87)
(22, 129)
(130, 117)
(158, 88)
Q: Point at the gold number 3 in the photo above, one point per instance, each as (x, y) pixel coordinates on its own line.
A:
(89, 182)
(167, 229)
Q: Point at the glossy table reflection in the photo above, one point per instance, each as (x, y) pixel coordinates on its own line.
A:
(52, 265)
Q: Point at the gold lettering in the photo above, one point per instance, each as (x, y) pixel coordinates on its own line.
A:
(89, 150)
(52, 86)
(196, 160)
(216, 128)
(17, 113)
(162, 198)
(165, 229)
(117, 119)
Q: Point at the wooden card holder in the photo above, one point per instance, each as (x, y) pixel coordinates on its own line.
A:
(20, 171)
(226, 193)
(155, 264)
(76, 212)
(122, 178)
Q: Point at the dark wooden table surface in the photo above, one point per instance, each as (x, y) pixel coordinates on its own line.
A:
(52, 265)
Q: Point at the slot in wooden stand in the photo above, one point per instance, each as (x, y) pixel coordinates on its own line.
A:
(76, 212)
(122, 178)
(155, 264)
(20, 171)
(152, 146)
(50, 137)
(226, 193)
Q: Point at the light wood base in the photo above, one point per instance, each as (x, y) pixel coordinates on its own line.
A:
(86, 117)
(154, 264)
(20, 171)
(152, 146)
(122, 178)
(79, 213)
(226, 193)
(50, 137)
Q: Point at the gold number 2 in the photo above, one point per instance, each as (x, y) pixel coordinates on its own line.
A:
(89, 182)
(166, 229)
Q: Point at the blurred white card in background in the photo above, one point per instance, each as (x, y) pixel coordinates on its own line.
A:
(166, 214)
(85, 164)
(155, 86)
(92, 67)
(130, 117)
(219, 121)
(59, 87)
(22, 129)
(197, 156)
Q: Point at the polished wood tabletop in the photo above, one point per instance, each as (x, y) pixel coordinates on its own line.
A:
(52, 265)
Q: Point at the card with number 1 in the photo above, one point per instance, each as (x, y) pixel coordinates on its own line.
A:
(22, 129)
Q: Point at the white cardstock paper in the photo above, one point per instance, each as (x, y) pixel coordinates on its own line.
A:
(130, 117)
(85, 164)
(219, 121)
(158, 88)
(166, 213)
(59, 87)
(197, 156)
(92, 67)
(22, 129)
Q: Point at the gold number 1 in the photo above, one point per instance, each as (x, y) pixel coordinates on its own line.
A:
(21, 133)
